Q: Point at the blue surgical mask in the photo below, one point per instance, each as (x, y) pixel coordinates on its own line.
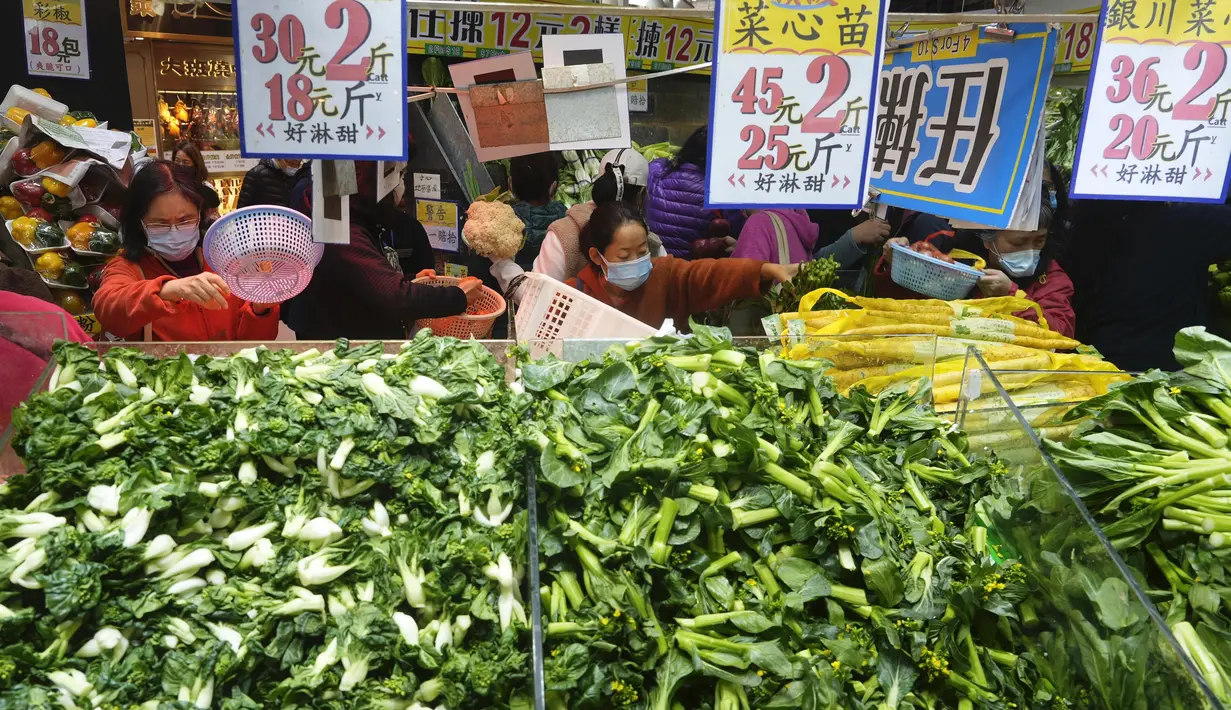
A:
(1020, 263)
(628, 275)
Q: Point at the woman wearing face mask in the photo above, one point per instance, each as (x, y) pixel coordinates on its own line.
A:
(622, 273)
(271, 182)
(1015, 261)
(160, 287)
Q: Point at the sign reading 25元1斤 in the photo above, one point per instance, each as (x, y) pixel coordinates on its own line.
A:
(322, 79)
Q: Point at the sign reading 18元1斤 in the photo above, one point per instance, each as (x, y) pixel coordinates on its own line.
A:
(793, 86)
(322, 79)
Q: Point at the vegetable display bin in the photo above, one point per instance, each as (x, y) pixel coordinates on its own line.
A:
(35, 332)
(1101, 633)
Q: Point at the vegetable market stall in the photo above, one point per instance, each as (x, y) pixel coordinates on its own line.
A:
(716, 523)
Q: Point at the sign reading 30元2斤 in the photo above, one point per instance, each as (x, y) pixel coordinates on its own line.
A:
(322, 79)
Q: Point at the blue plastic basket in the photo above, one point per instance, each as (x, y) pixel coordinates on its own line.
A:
(931, 276)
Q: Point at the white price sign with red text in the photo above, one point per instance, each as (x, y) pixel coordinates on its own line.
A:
(324, 79)
(55, 38)
(1155, 124)
(791, 108)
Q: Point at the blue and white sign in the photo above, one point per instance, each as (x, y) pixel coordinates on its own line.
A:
(955, 136)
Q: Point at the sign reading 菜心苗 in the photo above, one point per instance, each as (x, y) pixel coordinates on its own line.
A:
(322, 80)
(1155, 122)
(790, 103)
(955, 136)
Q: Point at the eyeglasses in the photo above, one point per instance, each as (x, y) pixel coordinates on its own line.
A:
(163, 228)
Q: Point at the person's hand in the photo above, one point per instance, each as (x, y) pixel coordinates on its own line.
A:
(870, 233)
(472, 287)
(995, 283)
(426, 274)
(729, 243)
(777, 272)
(887, 250)
(207, 290)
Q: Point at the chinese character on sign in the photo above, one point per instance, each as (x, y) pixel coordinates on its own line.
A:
(804, 21)
(897, 127)
(979, 132)
(1161, 14)
(68, 50)
(607, 24)
(1202, 19)
(853, 31)
(425, 24)
(547, 27)
(42, 11)
(467, 27)
(648, 37)
(752, 29)
(1120, 14)
(61, 14)
(705, 46)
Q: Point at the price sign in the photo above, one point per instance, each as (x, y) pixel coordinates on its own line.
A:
(1076, 51)
(1155, 125)
(439, 220)
(791, 104)
(55, 38)
(955, 46)
(322, 80)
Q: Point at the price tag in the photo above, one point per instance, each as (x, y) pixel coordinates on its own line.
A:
(791, 104)
(965, 44)
(322, 80)
(56, 38)
(1076, 47)
(1155, 125)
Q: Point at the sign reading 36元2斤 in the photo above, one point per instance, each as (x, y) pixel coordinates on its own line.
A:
(322, 79)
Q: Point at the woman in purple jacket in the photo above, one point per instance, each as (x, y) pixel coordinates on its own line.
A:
(675, 203)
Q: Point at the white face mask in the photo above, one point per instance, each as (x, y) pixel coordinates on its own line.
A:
(174, 243)
(290, 169)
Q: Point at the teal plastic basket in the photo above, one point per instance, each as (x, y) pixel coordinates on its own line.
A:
(931, 276)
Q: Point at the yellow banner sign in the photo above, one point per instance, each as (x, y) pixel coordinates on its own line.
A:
(827, 27)
(660, 43)
(1173, 23)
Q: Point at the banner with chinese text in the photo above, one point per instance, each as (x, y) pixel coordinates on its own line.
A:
(472, 34)
(790, 103)
(954, 136)
(1155, 123)
(55, 38)
(322, 80)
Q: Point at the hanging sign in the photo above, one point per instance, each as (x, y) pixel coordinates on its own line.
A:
(473, 34)
(955, 136)
(322, 80)
(55, 38)
(439, 220)
(790, 110)
(1076, 50)
(662, 43)
(1155, 124)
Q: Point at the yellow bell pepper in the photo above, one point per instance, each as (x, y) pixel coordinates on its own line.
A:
(42, 92)
(67, 120)
(23, 230)
(55, 187)
(10, 208)
(46, 154)
(86, 123)
(17, 114)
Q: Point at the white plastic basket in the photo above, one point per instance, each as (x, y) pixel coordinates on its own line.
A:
(931, 276)
(265, 253)
(550, 312)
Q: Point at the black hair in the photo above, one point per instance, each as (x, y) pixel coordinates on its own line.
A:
(1051, 218)
(612, 187)
(605, 222)
(191, 150)
(154, 180)
(531, 176)
(695, 150)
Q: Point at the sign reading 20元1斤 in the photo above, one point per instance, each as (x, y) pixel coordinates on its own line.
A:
(322, 79)
(1158, 104)
(790, 119)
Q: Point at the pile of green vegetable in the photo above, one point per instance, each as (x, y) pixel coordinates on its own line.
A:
(338, 530)
(720, 530)
(813, 275)
(1155, 470)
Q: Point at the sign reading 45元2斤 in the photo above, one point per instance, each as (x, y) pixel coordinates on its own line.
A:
(322, 79)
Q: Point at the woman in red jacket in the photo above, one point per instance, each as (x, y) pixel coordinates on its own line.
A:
(1016, 260)
(160, 287)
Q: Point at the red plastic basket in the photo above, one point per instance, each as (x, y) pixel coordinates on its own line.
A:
(476, 322)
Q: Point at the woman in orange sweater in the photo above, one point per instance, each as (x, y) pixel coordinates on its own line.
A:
(160, 287)
(622, 274)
